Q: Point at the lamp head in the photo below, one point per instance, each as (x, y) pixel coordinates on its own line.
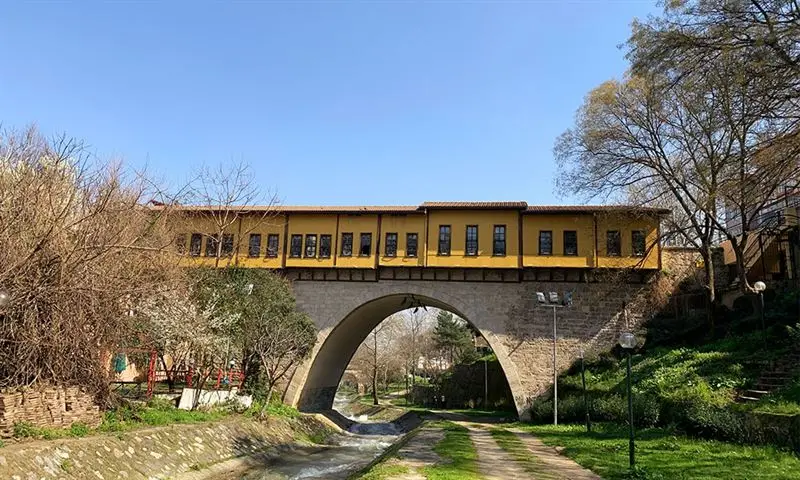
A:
(553, 297)
(627, 340)
(567, 299)
(759, 286)
(540, 298)
(5, 298)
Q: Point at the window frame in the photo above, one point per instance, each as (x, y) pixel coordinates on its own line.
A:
(362, 236)
(448, 231)
(180, 243)
(467, 242)
(416, 244)
(313, 245)
(329, 239)
(575, 233)
(549, 233)
(212, 242)
(228, 245)
(346, 235)
(292, 238)
(495, 240)
(618, 246)
(386, 250)
(199, 251)
(277, 238)
(250, 245)
(634, 253)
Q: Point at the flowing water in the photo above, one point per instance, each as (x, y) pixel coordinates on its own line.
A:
(347, 453)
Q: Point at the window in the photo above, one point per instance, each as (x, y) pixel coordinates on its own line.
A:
(499, 244)
(311, 245)
(296, 246)
(324, 246)
(472, 240)
(545, 242)
(180, 243)
(444, 239)
(638, 243)
(365, 250)
(272, 245)
(347, 244)
(195, 244)
(411, 244)
(254, 247)
(227, 244)
(391, 245)
(211, 246)
(570, 242)
(613, 248)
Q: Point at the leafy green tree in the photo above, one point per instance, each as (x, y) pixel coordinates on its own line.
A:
(268, 336)
(454, 337)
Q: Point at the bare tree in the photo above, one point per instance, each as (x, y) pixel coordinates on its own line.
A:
(79, 252)
(697, 144)
(378, 352)
(696, 33)
(226, 195)
(282, 343)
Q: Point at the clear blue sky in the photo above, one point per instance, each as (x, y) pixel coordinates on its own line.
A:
(349, 102)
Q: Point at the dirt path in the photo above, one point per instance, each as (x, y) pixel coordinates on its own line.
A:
(493, 462)
(529, 459)
(554, 461)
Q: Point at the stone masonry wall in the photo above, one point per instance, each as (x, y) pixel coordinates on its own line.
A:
(162, 452)
(507, 314)
(55, 407)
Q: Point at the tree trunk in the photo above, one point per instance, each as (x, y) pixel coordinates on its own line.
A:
(375, 369)
(708, 266)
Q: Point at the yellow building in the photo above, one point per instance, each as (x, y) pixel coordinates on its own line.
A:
(503, 235)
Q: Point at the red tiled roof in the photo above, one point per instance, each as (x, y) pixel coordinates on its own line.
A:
(593, 209)
(476, 205)
(303, 208)
(527, 209)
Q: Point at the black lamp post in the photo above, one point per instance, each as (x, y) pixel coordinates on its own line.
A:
(759, 287)
(628, 341)
(585, 397)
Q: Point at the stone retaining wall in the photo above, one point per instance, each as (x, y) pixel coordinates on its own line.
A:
(55, 407)
(149, 453)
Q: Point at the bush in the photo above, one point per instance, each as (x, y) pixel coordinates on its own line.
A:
(611, 408)
(78, 429)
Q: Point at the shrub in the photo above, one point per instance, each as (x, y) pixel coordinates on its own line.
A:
(78, 429)
(611, 408)
(25, 430)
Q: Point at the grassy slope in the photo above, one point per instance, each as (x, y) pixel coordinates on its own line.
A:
(661, 455)
(717, 368)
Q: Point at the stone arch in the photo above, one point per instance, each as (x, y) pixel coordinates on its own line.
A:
(346, 323)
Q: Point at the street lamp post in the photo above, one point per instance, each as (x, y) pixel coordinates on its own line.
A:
(585, 397)
(628, 341)
(554, 304)
(759, 287)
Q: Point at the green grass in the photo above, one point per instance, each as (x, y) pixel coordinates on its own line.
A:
(383, 471)
(27, 430)
(126, 418)
(459, 453)
(515, 447)
(662, 455)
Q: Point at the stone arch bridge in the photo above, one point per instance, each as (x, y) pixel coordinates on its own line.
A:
(502, 306)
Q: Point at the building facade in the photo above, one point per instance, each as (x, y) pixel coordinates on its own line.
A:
(463, 235)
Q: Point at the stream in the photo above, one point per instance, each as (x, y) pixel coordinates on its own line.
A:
(347, 453)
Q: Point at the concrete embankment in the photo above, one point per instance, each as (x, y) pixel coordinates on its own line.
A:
(162, 452)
